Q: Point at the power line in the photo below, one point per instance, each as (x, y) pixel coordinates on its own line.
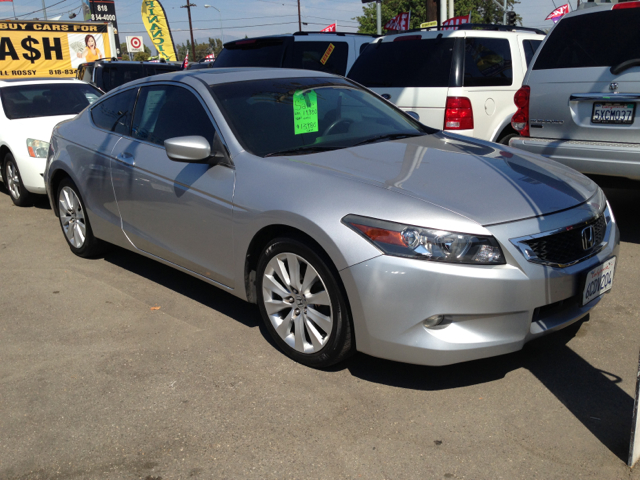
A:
(242, 26)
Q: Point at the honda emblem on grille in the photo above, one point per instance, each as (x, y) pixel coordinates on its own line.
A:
(588, 237)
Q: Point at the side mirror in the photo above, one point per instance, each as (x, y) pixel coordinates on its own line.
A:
(192, 148)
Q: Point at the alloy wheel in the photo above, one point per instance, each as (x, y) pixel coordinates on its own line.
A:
(72, 217)
(13, 180)
(297, 302)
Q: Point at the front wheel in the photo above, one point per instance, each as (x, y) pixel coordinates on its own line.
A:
(302, 304)
(75, 223)
(13, 182)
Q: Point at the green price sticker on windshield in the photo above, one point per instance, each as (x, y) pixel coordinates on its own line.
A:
(305, 112)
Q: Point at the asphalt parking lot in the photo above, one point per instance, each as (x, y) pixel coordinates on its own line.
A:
(123, 368)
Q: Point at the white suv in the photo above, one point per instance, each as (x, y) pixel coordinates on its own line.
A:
(462, 80)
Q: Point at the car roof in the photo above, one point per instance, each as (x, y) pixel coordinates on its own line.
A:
(36, 81)
(600, 7)
(498, 31)
(302, 34)
(214, 76)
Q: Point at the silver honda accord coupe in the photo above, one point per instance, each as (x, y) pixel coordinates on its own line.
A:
(350, 224)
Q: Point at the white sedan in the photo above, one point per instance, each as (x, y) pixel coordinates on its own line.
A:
(29, 109)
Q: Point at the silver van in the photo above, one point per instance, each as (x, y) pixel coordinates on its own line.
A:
(578, 103)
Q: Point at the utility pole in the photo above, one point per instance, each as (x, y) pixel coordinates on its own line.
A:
(193, 48)
(299, 18)
(379, 16)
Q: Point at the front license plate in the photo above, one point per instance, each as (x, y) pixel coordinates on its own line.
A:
(611, 113)
(599, 280)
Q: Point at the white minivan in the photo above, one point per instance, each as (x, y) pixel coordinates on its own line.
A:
(462, 80)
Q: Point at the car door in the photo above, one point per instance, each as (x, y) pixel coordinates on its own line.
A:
(179, 212)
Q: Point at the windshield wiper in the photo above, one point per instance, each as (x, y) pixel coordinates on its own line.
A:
(303, 150)
(389, 136)
(626, 65)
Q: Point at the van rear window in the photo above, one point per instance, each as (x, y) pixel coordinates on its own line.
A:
(410, 63)
(602, 39)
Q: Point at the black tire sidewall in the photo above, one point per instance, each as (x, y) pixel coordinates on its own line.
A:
(25, 197)
(90, 247)
(340, 342)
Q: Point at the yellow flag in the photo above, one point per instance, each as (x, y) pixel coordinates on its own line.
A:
(157, 25)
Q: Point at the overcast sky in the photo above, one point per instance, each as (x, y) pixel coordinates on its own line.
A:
(244, 17)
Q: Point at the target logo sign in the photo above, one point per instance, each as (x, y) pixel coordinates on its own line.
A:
(135, 44)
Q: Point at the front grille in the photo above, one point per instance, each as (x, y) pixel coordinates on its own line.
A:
(566, 247)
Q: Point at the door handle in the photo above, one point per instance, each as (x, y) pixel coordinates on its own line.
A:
(126, 158)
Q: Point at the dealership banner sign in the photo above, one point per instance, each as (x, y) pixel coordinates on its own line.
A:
(49, 49)
(157, 25)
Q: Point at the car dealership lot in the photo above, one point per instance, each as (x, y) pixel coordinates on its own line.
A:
(121, 367)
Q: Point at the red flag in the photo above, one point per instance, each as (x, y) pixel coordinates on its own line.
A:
(210, 58)
(558, 12)
(330, 28)
(185, 64)
(399, 22)
(453, 22)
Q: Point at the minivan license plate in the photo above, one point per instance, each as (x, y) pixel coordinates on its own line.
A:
(608, 113)
(599, 280)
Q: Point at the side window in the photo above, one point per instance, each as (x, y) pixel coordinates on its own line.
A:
(87, 74)
(165, 111)
(487, 62)
(530, 47)
(115, 75)
(114, 114)
(322, 56)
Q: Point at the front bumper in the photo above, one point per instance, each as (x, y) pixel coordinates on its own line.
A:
(599, 158)
(491, 310)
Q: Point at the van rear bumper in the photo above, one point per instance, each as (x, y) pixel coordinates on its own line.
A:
(597, 158)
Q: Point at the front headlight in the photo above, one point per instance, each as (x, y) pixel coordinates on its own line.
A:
(37, 148)
(427, 244)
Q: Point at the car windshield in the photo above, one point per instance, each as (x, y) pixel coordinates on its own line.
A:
(47, 100)
(307, 115)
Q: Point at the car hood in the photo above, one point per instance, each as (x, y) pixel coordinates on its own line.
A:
(38, 128)
(485, 182)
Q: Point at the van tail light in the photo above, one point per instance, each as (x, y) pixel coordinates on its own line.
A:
(458, 114)
(619, 6)
(520, 119)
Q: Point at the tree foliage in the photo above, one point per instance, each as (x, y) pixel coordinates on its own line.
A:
(212, 45)
(137, 56)
(482, 11)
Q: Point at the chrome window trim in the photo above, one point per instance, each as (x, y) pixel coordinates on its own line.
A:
(530, 256)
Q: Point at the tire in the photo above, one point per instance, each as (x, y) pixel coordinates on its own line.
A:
(315, 334)
(504, 140)
(75, 222)
(13, 183)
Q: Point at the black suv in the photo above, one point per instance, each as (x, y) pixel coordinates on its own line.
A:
(109, 74)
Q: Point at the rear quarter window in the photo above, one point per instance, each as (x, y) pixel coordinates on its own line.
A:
(487, 62)
(530, 48)
(405, 63)
(602, 39)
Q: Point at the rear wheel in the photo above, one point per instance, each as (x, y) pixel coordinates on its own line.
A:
(13, 182)
(75, 223)
(302, 304)
(504, 140)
